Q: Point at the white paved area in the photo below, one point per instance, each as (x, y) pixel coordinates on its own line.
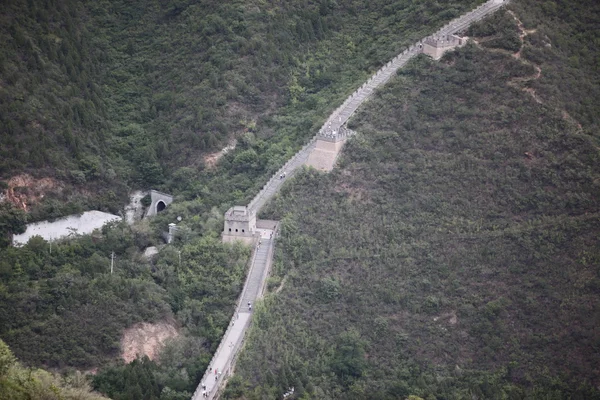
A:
(71, 225)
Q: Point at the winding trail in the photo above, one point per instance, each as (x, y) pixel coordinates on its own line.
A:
(517, 82)
(523, 33)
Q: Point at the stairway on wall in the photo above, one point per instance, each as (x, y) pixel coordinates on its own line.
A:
(255, 280)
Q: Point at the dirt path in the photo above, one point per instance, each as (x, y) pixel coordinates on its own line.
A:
(517, 82)
(280, 288)
(210, 160)
(133, 211)
(524, 32)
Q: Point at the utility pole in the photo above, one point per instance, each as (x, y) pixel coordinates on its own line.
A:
(112, 262)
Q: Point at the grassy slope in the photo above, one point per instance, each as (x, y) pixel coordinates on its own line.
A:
(454, 252)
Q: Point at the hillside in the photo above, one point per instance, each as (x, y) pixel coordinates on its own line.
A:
(137, 96)
(102, 95)
(21, 383)
(454, 252)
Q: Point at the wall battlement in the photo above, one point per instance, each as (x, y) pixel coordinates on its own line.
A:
(331, 135)
(436, 46)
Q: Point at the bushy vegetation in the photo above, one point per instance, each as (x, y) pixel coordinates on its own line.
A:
(108, 95)
(60, 307)
(105, 95)
(21, 383)
(12, 221)
(454, 252)
(463, 199)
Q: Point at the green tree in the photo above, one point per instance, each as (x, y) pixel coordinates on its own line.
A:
(7, 359)
(12, 220)
(348, 362)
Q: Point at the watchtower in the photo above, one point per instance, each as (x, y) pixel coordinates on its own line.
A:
(436, 46)
(240, 224)
(327, 147)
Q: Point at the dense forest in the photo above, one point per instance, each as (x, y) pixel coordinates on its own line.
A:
(454, 252)
(105, 96)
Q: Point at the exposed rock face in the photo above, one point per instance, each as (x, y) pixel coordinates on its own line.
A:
(146, 339)
(24, 190)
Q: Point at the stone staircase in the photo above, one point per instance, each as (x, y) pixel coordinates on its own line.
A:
(255, 280)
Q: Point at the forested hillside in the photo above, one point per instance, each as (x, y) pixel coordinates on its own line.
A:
(107, 95)
(104, 96)
(60, 308)
(454, 252)
(21, 383)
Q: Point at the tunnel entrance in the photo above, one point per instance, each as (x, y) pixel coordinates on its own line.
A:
(160, 205)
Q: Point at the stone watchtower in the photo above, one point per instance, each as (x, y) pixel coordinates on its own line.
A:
(327, 147)
(240, 224)
(436, 46)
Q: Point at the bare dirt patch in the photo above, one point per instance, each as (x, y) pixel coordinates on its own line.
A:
(145, 339)
(280, 288)
(210, 160)
(24, 190)
(449, 317)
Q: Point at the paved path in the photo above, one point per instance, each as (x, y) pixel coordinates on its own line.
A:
(232, 340)
(283, 174)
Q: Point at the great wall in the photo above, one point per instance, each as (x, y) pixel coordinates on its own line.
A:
(320, 152)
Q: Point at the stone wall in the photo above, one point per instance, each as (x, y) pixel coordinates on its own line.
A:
(315, 152)
(325, 140)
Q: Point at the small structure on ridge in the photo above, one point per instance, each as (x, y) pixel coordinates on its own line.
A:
(160, 201)
(240, 224)
(436, 46)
